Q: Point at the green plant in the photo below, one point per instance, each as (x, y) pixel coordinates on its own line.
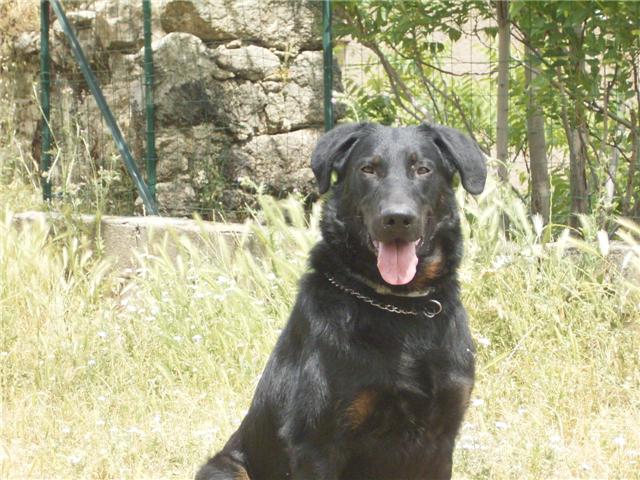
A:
(585, 57)
(129, 374)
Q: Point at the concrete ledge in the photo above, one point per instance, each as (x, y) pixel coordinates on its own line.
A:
(122, 238)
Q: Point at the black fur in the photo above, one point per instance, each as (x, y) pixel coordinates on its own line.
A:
(352, 391)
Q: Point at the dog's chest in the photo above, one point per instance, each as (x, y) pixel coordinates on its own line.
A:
(418, 398)
(389, 426)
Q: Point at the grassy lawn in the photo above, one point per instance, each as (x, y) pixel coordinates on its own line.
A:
(145, 376)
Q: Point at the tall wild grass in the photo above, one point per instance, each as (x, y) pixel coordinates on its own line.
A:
(143, 375)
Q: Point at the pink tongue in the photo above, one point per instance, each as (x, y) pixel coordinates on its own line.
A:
(397, 261)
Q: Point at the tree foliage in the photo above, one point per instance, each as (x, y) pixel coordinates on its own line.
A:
(586, 85)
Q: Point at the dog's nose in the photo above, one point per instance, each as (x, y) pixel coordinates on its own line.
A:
(398, 219)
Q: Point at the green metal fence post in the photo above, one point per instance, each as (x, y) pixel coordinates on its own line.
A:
(148, 91)
(45, 105)
(328, 64)
(92, 82)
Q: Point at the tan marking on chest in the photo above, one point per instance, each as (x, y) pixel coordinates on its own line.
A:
(241, 474)
(361, 408)
(431, 269)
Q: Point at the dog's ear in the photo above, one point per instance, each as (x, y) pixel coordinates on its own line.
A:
(465, 154)
(332, 151)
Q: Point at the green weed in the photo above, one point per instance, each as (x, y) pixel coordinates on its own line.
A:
(145, 376)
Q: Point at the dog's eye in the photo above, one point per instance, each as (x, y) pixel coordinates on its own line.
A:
(423, 171)
(368, 169)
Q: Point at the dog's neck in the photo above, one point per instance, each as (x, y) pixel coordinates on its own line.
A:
(326, 260)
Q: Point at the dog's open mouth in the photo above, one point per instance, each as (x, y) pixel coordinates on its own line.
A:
(397, 260)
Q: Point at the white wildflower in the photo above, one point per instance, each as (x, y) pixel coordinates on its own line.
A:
(500, 261)
(538, 224)
(603, 242)
(619, 441)
(555, 442)
(135, 430)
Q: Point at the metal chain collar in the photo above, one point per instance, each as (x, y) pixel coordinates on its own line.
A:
(384, 306)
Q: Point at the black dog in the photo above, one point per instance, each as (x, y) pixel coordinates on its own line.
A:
(372, 375)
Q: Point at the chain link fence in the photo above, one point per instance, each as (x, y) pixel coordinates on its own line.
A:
(240, 95)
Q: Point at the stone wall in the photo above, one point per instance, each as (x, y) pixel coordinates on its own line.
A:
(238, 93)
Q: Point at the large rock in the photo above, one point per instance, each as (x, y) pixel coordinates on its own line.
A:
(190, 17)
(241, 108)
(119, 25)
(283, 24)
(194, 151)
(237, 94)
(186, 91)
(307, 69)
(278, 162)
(177, 197)
(250, 62)
(27, 44)
(292, 108)
(83, 23)
(194, 156)
(299, 102)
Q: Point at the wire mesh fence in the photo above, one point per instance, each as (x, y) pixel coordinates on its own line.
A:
(567, 98)
(85, 164)
(238, 92)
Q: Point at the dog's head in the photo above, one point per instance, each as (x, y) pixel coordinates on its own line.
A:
(393, 190)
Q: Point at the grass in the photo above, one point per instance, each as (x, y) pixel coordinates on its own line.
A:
(145, 376)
